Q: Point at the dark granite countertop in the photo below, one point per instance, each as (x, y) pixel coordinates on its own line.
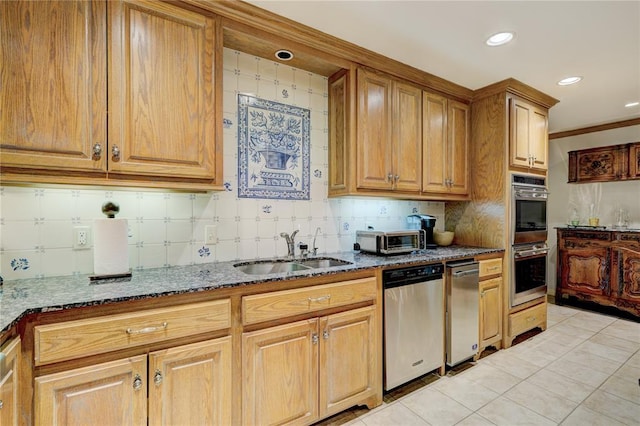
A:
(23, 297)
(596, 228)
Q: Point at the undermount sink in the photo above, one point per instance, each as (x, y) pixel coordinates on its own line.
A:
(323, 262)
(264, 267)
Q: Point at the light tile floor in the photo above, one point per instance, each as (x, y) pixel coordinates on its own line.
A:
(583, 370)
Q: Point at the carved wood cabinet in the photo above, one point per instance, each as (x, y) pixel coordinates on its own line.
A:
(605, 164)
(600, 266)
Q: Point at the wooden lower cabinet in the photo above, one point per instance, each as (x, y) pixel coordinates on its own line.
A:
(490, 313)
(297, 373)
(527, 319)
(190, 384)
(9, 376)
(113, 392)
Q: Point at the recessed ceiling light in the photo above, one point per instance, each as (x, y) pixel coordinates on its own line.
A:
(284, 55)
(632, 104)
(569, 80)
(499, 39)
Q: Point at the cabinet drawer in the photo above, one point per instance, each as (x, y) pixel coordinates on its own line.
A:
(80, 338)
(490, 267)
(528, 319)
(286, 303)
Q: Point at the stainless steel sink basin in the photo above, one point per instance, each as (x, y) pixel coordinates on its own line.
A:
(264, 267)
(325, 262)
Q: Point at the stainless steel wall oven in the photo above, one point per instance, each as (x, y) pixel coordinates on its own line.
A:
(528, 209)
(529, 273)
(528, 238)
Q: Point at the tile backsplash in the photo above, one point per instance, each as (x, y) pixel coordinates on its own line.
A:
(167, 228)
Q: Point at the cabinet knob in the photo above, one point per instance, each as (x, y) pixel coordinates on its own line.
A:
(97, 151)
(390, 177)
(1, 404)
(396, 178)
(157, 378)
(325, 334)
(314, 338)
(137, 382)
(115, 152)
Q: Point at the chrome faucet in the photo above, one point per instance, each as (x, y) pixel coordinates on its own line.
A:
(314, 249)
(291, 243)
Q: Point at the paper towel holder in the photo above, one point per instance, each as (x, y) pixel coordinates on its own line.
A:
(110, 209)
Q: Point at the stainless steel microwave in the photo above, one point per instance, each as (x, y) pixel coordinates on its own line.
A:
(391, 242)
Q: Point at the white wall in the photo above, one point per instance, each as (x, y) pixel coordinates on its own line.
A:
(564, 196)
(167, 228)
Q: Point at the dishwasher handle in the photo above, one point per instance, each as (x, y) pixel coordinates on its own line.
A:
(466, 273)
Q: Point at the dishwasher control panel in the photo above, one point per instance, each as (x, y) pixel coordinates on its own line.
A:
(414, 273)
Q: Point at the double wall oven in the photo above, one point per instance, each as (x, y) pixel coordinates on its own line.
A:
(528, 238)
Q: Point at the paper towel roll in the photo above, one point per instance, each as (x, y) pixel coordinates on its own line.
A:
(110, 248)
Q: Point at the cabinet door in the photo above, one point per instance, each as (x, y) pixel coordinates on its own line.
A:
(349, 360)
(9, 365)
(519, 120)
(435, 173)
(585, 271)
(339, 131)
(539, 139)
(374, 144)
(112, 393)
(162, 108)
(528, 139)
(458, 125)
(626, 272)
(490, 311)
(407, 130)
(280, 370)
(53, 75)
(191, 384)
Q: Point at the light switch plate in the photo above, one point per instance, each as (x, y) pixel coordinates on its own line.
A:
(210, 235)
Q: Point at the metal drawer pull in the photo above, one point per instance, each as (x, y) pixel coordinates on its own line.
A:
(137, 382)
(319, 299)
(150, 329)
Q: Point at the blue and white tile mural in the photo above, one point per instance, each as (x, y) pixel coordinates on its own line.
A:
(273, 149)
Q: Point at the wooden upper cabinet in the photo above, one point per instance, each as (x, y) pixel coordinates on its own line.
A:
(153, 66)
(388, 133)
(407, 137)
(445, 144)
(162, 94)
(374, 134)
(529, 135)
(53, 79)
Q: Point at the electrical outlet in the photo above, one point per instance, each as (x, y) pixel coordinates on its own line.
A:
(210, 235)
(81, 237)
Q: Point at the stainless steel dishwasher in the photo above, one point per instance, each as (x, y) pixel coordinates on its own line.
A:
(462, 311)
(413, 322)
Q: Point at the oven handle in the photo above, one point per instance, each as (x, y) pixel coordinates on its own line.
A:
(532, 252)
(531, 193)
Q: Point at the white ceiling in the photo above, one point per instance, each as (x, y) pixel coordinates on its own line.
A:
(598, 40)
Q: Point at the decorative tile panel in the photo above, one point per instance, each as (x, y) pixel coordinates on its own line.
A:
(273, 149)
